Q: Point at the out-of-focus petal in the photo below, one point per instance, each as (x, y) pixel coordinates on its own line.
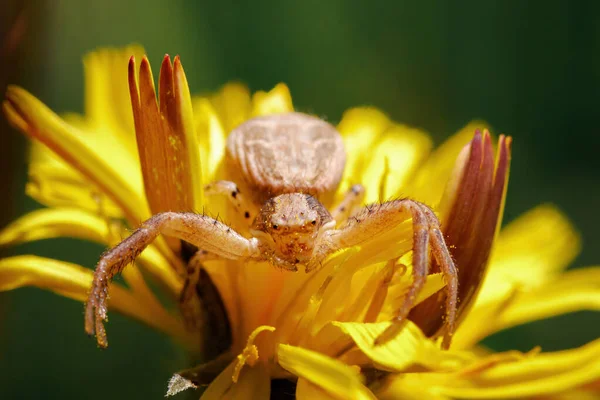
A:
(333, 376)
(527, 376)
(305, 390)
(232, 104)
(211, 139)
(278, 100)
(107, 103)
(360, 128)
(393, 161)
(74, 281)
(544, 241)
(220, 386)
(108, 166)
(54, 183)
(51, 223)
(254, 383)
(572, 291)
(166, 137)
(407, 387)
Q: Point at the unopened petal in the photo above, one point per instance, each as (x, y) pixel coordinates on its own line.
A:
(471, 224)
(335, 377)
(166, 138)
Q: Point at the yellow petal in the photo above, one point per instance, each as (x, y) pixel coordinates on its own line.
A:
(166, 138)
(278, 100)
(106, 165)
(407, 387)
(543, 240)
(107, 103)
(51, 223)
(576, 290)
(399, 152)
(211, 138)
(220, 386)
(513, 377)
(543, 374)
(576, 394)
(305, 390)
(74, 281)
(232, 104)
(335, 377)
(360, 128)
(408, 347)
(254, 383)
(54, 183)
(528, 253)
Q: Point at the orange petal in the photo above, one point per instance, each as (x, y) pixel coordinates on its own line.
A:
(471, 224)
(166, 137)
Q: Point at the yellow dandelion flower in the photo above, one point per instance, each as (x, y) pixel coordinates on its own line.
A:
(131, 156)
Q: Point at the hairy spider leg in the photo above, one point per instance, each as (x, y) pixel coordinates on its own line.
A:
(351, 201)
(377, 219)
(189, 302)
(233, 194)
(200, 230)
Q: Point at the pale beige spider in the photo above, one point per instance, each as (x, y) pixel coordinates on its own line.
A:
(287, 161)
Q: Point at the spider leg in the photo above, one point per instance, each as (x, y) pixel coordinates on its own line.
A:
(189, 302)
(232, 192)
(196, 229)
(444, 259)
(352, 199)
(377, 219)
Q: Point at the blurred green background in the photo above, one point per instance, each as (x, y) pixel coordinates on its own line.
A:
(529, 68)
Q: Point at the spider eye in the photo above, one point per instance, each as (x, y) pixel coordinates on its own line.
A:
(275, 227)
(314, 222)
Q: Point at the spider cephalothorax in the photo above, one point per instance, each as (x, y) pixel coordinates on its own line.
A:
(288, 162)
(292, 223)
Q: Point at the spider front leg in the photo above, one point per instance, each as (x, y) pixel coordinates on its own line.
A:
(199, 230)
(189, 303)
(378, 219)
(232, 192)
(352, 200)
